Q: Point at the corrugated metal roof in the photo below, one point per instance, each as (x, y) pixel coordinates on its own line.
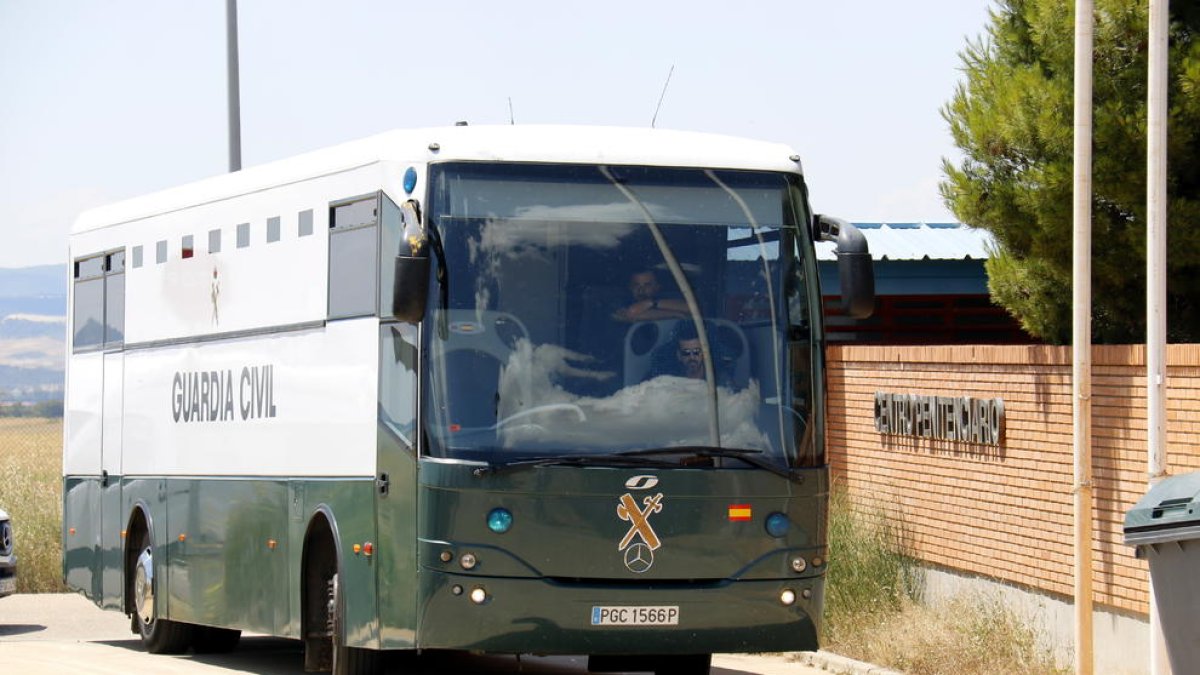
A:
(919, 241)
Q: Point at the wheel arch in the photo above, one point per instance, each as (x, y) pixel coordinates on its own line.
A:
(319, 561)
(139, 520)
(322, 524)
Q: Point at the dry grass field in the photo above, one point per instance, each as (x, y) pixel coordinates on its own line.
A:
(31, 492)
(874, 610)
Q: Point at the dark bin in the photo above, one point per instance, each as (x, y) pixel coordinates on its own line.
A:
(1165, 527)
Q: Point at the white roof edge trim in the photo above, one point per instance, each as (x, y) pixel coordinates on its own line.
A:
(498, 143)
(94, 220)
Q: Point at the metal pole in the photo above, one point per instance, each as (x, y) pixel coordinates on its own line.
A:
(235, 110)
(1156, 281)
(1081, 369)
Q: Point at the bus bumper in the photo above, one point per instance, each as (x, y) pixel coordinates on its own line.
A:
(540, 616)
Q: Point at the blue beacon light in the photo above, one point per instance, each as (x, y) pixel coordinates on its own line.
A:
(410, 180)
(777, 524)
(499, 520)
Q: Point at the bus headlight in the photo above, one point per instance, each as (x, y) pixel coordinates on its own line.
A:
(478, 595)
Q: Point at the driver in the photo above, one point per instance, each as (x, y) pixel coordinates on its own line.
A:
(689, 353)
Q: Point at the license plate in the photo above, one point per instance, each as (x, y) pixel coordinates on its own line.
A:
(635, 616)
(8, 585)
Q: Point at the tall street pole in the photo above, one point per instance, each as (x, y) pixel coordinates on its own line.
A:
(1156, 280)
(235, 108)
(1081, 367)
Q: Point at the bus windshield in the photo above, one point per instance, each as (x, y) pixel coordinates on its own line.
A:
(603, 311)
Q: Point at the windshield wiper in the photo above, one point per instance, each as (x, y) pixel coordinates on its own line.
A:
(574, 460)
(647, 457)
(746, 455)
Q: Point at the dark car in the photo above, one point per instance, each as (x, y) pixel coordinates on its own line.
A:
(8, 558)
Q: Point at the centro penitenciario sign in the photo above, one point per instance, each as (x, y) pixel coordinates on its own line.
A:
(947, 418)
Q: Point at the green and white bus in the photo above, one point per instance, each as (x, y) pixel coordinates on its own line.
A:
(520, 389)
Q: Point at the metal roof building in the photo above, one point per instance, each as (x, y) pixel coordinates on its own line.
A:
(920, 241)
(931, 288)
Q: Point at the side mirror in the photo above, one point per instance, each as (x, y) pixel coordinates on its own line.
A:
(856, 272)
(410, 287)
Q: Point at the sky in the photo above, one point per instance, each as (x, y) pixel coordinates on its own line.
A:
(103, 101)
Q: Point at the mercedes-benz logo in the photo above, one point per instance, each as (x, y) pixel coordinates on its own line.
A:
(638, 558)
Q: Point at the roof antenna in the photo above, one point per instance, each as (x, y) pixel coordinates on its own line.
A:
(662, 96)
(511, 120)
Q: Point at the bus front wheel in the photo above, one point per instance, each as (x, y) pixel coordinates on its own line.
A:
(160, 636)
(347, 660)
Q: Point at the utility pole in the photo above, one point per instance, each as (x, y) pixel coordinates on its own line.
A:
(1156, 281)
(1081, 367)
(235, 107)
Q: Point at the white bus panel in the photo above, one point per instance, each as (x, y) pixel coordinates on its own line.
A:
(297, 403)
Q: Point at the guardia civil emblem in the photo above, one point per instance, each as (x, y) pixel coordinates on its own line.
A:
(639, 555)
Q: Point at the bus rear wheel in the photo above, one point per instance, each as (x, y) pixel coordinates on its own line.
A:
(160, 636)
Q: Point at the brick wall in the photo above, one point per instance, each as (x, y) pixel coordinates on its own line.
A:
(1007, 511)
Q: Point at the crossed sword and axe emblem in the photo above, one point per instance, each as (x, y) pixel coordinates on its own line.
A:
(639, 519)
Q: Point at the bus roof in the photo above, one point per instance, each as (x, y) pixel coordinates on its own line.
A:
(511, 143)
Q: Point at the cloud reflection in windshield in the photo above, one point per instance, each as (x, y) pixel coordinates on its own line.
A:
(665, 411)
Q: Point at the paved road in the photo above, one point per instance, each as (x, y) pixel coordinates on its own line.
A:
(68, 634)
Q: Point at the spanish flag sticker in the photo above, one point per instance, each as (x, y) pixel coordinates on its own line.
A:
(739, 512)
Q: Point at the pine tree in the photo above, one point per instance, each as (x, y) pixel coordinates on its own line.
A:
(1012, 118)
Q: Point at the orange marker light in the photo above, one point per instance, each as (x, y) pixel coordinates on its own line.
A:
(357, 549)
(182, 537)
(271, 544)
(123, 533)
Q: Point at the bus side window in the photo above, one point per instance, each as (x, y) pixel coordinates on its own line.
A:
(88, 310)
(353, 257)
(98, 311)
(398, 381)
(389, 237)
(114, 299)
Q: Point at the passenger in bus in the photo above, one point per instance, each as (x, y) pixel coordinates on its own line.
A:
(648, 303)
(689, 352)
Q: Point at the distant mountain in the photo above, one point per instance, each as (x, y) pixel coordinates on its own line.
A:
(20, 325)
(30, 385)
(33, 282)
(48, 306)
(33, 290)
(33, 325)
